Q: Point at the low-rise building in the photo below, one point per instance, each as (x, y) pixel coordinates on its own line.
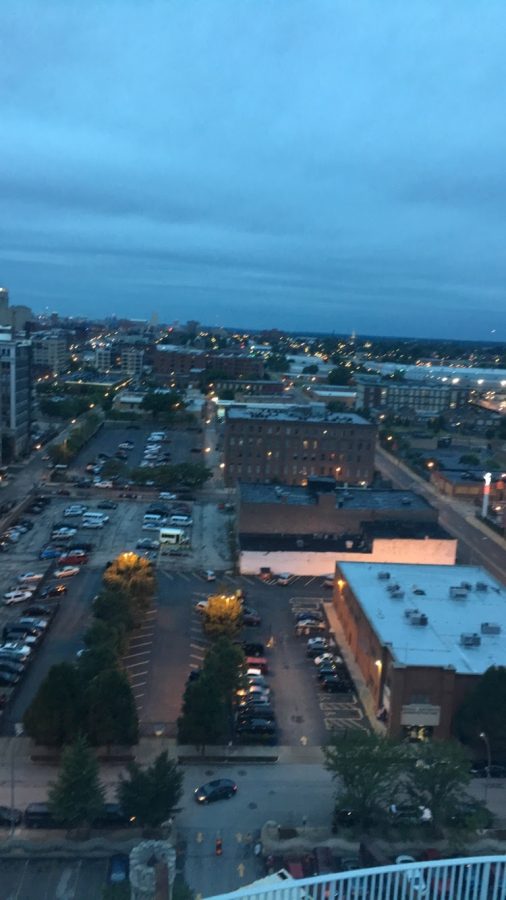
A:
(50, 351)
(418, 398)
(306, 530)
(422, 636)
(289, 444)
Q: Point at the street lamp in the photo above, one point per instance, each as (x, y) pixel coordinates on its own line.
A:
(484, 738)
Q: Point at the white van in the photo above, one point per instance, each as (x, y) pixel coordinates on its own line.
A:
(155, 519)
(185, 521)
(156, 436)
(91, 516)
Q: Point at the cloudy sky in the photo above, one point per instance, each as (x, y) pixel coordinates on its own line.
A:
(307, 164)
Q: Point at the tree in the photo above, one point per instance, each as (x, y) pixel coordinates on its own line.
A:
(55, 715)
(339, 375)
(203, 719)
(77, 797)
(151, 794)
(469, 459)
(105, 636)
(310, 370)
(114, 608)
(222, 664)
(437, 777)
(222, 615)
(367, 769)
(484, 711)
(165, 403)
(112, 715)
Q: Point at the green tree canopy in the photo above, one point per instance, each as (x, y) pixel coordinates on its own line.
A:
(222, 615)
(366, 767)
(204, 719)
(112, 715)
(151, 794)
(339, 375)
(484, 711)
(437, 777)
(222, 664)
(55, 715)
(77, 796)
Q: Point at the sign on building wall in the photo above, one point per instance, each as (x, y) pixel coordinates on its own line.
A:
(420, 714)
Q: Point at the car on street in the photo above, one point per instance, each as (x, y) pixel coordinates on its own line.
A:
(166, 495)
(53, 590)
(66, 571)
(30, 577)
(16, 597)
(319, 643)
(219, 789)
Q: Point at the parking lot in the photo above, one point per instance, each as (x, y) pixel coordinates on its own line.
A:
(46, 879)
(182, 445)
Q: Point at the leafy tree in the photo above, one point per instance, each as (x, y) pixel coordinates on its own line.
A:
(278, 362)
(484, 711)
(151, 794)
(133, 576)
(105, 636)
(222, 615)
(366, 767)
(158, 403)
(339, 375)
(469, 459)
(203, 720)
(55, 715)
(96, 660)
(77, 797)
(223, 665)
(437, 777)
(112, 715)
(310, 370)
(114, 608)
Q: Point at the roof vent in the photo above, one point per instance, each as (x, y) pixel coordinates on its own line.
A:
(383, 576)
(397, 595)
(418, 618)
(466, 585)
(490, 628)
(392, 587)
(411, 612)
(299, 543)
(470, 640)
(458, 592)
(406, 501)
(481, 586)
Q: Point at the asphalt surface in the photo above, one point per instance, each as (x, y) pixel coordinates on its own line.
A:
(180, 444)
(475, 547)
(52, 879)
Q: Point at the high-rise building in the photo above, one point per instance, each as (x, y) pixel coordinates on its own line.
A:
(14, 317)
(132, 361)
(16, 394)
(103, 358)
(50, 351)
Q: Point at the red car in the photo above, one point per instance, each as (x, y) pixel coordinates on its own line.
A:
(73, 559)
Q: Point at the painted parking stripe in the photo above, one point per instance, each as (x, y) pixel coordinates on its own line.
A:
(310, 581)
(136, 665)
(141, 684)
(184, 577)
(135, 655)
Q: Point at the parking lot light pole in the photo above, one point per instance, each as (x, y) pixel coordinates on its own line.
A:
(484, 738)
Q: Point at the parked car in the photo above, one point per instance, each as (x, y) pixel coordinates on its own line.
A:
(16, 632)
(147, 544)
(9, 817)
(50, 553)
(209, 575)
(112, 816)
(53, 590)
(37, 622)
(74, 557)
(333, 684)
(12, 665)
(253, 648)
(38, 815)
(313, 614)
(482, 770)
(307, 626)
(256, 726)
(15, 650)
(30, 577)
(18, 596)
(66, 571)
(328, 657)
(284, 579)
(8, 679)
(40, 610)
(107, 504)
(219, 789)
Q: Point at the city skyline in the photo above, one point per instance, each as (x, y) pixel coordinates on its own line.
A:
(311, 168)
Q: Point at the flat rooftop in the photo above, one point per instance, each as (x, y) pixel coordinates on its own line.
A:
(426, 588)
(345, 498)
(309, 413)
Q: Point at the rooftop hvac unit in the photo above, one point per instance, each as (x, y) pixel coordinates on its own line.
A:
(458, 593)
(383, 576)
(406, 501)
(481, 586)
(411, 612)
(490, 628)
(470, 640)
(466, 585)
(397, 595)
(393, 587)
(418, 619)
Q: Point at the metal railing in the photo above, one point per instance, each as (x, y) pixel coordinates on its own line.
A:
(470, 878)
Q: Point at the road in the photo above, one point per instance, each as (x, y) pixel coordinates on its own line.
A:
(476, 547)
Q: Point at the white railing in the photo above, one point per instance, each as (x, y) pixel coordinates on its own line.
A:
(470, 878)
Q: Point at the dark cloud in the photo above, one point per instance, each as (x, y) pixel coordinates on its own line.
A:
(303, 164)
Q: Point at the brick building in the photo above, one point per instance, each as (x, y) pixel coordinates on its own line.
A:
(289, 444)
(422, 398)
(422, 637)
(172, 360)
(306, 530)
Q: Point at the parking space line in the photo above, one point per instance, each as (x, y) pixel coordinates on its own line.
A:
(184, 577)
(135, 665)
(143, 644)
(310, 581)
(142, 684)
(135, 655)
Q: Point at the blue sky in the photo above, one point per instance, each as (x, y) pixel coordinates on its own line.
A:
(307, 165)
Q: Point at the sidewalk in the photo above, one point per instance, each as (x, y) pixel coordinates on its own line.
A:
(353, 668)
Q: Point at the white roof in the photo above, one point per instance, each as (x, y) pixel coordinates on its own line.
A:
(438, 642)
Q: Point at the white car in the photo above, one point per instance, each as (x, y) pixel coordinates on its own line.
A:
(201, 606)
(104, 484)
(30, 577)
(328, 657)
(76, 510)
(66, 571)
(93, 523)
(209, 575)
(16, 648)
(17, 597)
(166, 495)
(414, 877)
(63, 532)
(284, 578)
(320, 643)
